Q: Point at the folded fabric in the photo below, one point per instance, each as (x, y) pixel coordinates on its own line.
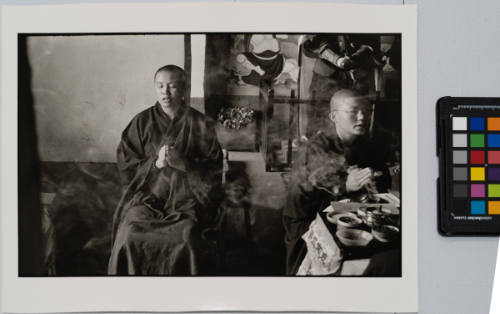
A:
(323, 256)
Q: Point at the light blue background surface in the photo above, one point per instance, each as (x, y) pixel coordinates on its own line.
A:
(458, 55)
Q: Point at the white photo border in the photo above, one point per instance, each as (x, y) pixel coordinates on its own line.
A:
(208, 293)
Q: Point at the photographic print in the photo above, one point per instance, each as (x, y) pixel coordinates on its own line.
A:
(240, 165)
(287, 163)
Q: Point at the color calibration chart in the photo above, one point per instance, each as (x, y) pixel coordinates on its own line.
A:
(476, 165)
(468, 147)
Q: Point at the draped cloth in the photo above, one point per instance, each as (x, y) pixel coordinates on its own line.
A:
(270, 62)
(159, 221)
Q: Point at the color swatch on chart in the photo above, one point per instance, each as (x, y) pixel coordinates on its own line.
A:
(468, 147)
(475, 169)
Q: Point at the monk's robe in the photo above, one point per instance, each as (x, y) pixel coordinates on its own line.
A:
(319, 177)
(159, 223)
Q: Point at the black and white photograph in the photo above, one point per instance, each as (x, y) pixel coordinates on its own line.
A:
(159, 158)
(210, 154)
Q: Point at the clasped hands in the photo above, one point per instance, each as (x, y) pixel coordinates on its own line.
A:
(357, 178)
(167, 155)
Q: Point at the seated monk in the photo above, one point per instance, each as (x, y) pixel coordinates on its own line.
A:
(347, 160)
(170, 163)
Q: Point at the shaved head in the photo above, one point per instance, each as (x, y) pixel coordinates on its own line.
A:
(344, 97)
(170, 87)
(172, 69)
(351, 113)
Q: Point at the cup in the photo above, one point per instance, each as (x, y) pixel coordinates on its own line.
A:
(348, 221)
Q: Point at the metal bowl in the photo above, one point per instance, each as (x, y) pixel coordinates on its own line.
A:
(385, 233)
(354, 237)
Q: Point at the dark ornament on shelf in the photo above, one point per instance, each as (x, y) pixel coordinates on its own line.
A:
(236, 117)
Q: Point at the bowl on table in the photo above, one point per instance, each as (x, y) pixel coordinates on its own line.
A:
(375, 218)
(333, 217)
(354, 237)
(385, 233)
(364, 211)
(348, 222)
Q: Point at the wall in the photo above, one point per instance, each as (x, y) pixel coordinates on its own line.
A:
(87, 88)
(457, 56)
